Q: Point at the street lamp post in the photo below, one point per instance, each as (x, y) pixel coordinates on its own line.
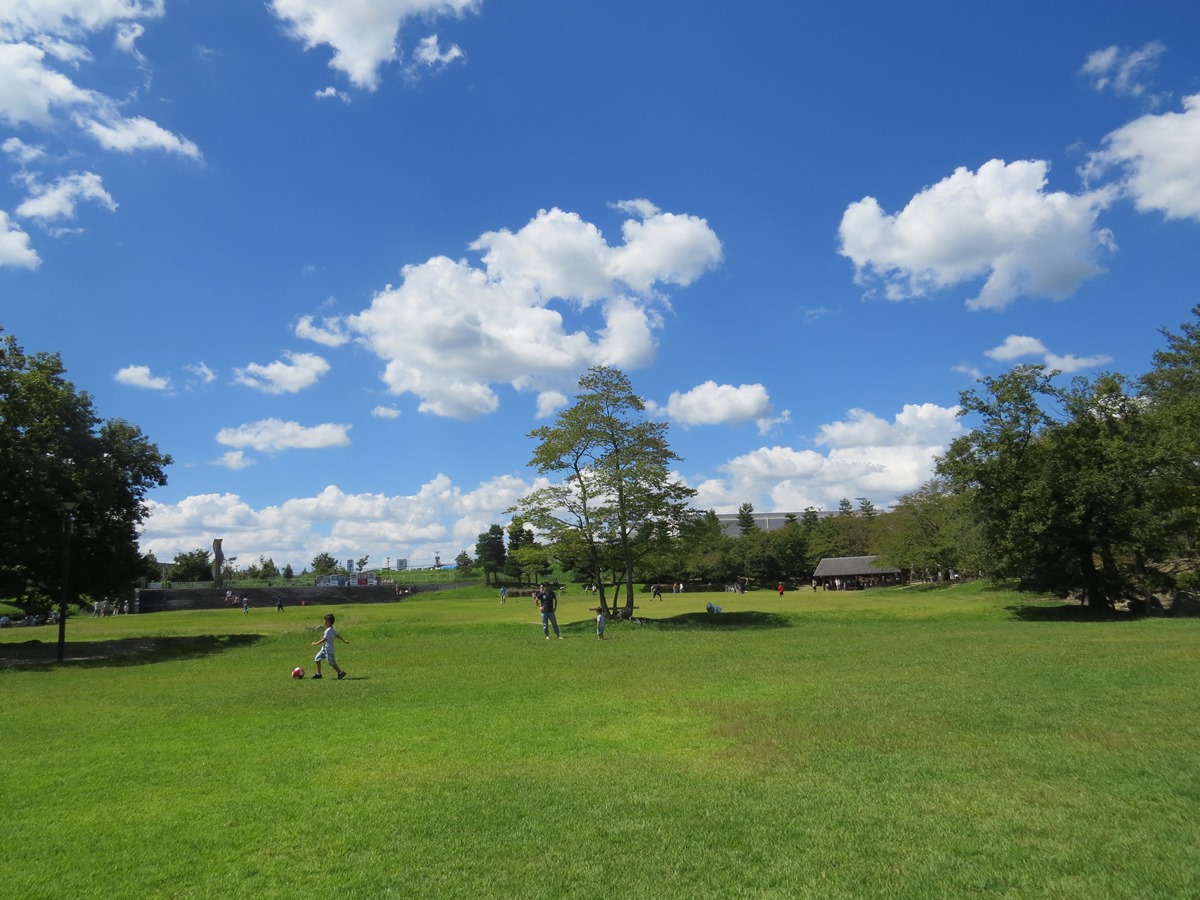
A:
(68, 511)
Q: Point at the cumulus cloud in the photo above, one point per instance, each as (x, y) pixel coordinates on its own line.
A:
(999, 224)
(1157, 154)
(331, 332)
(363, 36)
(59, 199)
(439, 516)
(1017, 346)
(718, 404)
(140, 376)
(15, 248)
(235, 459)
(271, 435)
(1125, 72)
(301, 370)
(138, 133)
(865, 456)
(451, 330)
(385, 412)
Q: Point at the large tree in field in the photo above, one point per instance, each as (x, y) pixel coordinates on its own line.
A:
(1061, 483)
(54, 451)
(615, 483)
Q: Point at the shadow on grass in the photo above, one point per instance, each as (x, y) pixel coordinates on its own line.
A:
(716, 621)
(1068, 612)
(121, 652)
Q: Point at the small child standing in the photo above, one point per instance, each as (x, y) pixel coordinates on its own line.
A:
(325, 654)
(600, 620)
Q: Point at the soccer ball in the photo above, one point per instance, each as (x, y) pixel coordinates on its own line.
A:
(297, 672)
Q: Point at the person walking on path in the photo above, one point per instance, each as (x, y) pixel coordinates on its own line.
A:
(547, 601)
(325, 654)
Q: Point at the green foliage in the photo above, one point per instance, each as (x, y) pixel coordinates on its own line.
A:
(616, 493)
(324, 564)
(195, 565)
(745, 519)
(54, 449)
(490, 552)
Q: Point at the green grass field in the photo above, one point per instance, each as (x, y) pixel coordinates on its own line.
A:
(891, 743)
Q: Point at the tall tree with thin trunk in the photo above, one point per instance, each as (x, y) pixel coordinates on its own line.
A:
(615, 470)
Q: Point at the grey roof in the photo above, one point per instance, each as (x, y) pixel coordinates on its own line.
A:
(772, 521)
(850, 566)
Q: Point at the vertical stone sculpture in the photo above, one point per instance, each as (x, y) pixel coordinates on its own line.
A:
(218, 564)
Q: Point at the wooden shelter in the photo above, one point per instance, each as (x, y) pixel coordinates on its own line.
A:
(853, 572)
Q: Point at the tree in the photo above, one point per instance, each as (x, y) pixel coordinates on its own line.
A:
(324, 564)
(745, 519)
(489, 552)
(288, 574)
(617, 484)
(1065, 502)
(519, 537)
(929, 533)
(54, 450)
(463, 563)
(195, 565)
(361, 564)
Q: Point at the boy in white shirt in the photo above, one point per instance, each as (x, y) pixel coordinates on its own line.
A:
(325, 654)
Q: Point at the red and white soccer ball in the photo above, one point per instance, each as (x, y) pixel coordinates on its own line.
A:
(297, 672)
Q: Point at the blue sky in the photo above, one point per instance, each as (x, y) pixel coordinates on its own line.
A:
(339, 259)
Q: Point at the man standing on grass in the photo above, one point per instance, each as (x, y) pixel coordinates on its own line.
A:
(547, 601)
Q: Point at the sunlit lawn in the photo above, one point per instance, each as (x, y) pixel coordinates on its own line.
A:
(892, 743)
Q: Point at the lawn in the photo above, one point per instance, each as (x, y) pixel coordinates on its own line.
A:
(889, 743)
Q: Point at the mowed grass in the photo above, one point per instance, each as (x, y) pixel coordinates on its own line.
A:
(890, 743)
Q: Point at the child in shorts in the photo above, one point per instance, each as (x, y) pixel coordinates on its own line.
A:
(325, 654)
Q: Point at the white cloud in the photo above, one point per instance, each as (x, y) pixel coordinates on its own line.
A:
(363, 36)
(22, 153)
(1016, 346)
(1125, 71)
(331, 93)
(58, 200)
(137, 133)
(439, 517)
(1159, 155)
(1019, 346)
(270, 435)
(70, 18)
(302, 370)
(999, 223)
(430, 54)
(235, 459)
(127, 37)
(550, 402)
(719, 404)
(202, 372)
(29, 90)
(15, 249)
(451, 330)
(331, 332)
(140, 376)
(385, 412)
(1069, 363)
(866, 456)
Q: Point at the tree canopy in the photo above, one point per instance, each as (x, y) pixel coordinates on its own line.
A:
(55, 450)
(616, 493)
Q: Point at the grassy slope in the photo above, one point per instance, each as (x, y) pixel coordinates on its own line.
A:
(892, 743)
